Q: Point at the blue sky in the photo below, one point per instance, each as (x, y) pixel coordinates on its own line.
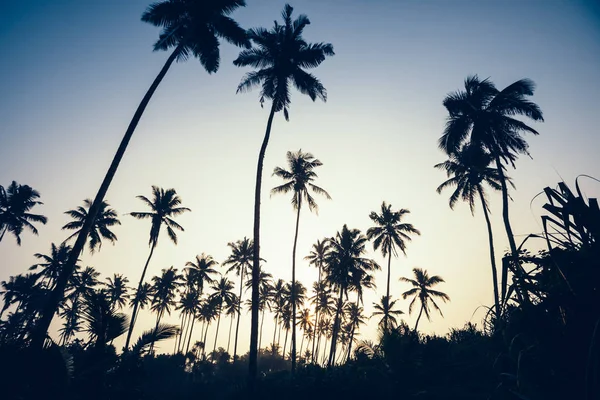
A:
(73, 73)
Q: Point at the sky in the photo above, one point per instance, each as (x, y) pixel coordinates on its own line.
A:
(74, 72)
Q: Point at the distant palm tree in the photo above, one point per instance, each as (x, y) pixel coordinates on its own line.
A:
(240, 261)
(15, 203)
(231, 310)
(325, 306)
(278, 302)
(117, 291)
(223, 293)
(355, 318)
(360, 281)
(164, 289)
(16, 291)
(385, 309)
(264, 298)
(305, 324)
(389, 233)
(165, 205)
(281, 56)
(422, 290)
(298, 180)
(202, 271)
(84, 282)
(316, 257)
(484, 116)
(192, 28)
(105, 219)
(141, 298)
(468, 169)
(52, 265)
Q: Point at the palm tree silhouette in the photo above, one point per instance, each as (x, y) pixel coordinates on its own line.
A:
(15, 203)
(278, 301)
(299, 180)
(52, 265)
(305, 324)
(231, 310)
(164, 205)
(324, 305)
(141, 298)
(468, 169)
(389, 233)
(422, 290)
(223, 293)
(265, 287)
(117, 291)
(102, 323)
(316, 257)
(282, 55)
(193, 29)
(385, 309)
(483, 115)
(105, 219)
(240, 261)
(164, 289)
(16, 291)
(355, 318)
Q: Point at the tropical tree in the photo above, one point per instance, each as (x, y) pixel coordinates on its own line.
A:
(468, 169)
(17, 290)
(484, 116)
(390, 234)
(239, 261)
(298, 180)
(264, 298)
(117, 291)
(165, 205)
(385, 309)
(15, 203)
(223, 293)
(201, 272)
(192, 28)
(72, 321)
(102, 323)
(105, 219)
(231, 310)
(325, 306)
(281, 55)
(141, 298)
(52, 265)
(305, 324)
(164, 290)
(84, 282)
(355, 318)
(422, 290)
(277, 304)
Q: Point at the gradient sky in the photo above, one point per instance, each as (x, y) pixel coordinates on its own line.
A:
(73, 73)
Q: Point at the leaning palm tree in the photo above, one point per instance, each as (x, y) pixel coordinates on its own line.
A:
(15, 203)
(385, 309)
(223, 294)
(468, 169)
(281, 55)
(105, 219)
(390, 233)
(298, 180)
(422, 290)
(484, 116)
(192, 28)
(165, 205)
(239, 261)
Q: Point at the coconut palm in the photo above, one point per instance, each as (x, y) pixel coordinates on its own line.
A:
(277, 304)
(15, 203)
(239, 261)
(165, 205)
(105, 219)
(265, 287)
(192, 28)
(390, 234)
(102, 323)
(484, 116)
(17, 291)
(84, 282)
(201, 271)
(141, 298)
(281, 55)
(231, 310)
(316, 257)
(164, 290)
(52, 265)
(385, 309)
(305, 324)
(117, 291)
(355, 318)
(422, 290)
(468, 169)
(298, 180)
(71, 313)
(324, 305)
(223, 293)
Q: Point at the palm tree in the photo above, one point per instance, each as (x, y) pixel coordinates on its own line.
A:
(324, 305)
(277, 301)
(281, 56)
(116, 291)
(316, 257)
(344, 261)
(105, 218)
(72, 315)
(240, 261)
(141, 298)
(390, 233)
(231, 310)
(422, 290)
(298, 180)
(15, 203)
(201, 271)
(223, 293)
(355, 318)
(165, 204)
(483, 115)
(385, 309)
(164, 289)
(468, 169)
(305, 324)
(84, 282)
(265, 287)
(52, 265)
(192, 28)
(17, 290)
(102, 323)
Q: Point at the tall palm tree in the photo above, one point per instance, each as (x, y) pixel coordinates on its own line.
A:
(355, 318)
(390, 233)
(164, 290)
(72, 324)
(192, 28)
(344, 261)
(468, 169)
(385, 309)
(15, 203)
(281, 55)
(298, 180)
(240, 261)
(117, 291)
(223, 293)
(165, 205)
(484, 115)
(105, 219)
(422, 290)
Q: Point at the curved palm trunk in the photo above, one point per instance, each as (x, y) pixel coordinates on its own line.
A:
(336, 327)
(158, 317)
(419, 317)
(239, 313)
(217, 332)
(299, 202)
(51, 306)
(253, 358)
(136, 303)
(492, 256)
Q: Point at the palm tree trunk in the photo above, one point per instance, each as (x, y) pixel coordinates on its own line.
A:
(419, 317)
(217, 332)
(385, 327)
(191, 329)
(275, 328)
(350, 342)
(301, 344)
(336, 324)
(299, 202)
(39, 334)
(230, 326)
(181, 333)
(279, 334)
(205, 334)
(136, 303)
(253, 358)
(262, 320)
(492, 256)
(237, 325)
(285, 342)
(316, 316)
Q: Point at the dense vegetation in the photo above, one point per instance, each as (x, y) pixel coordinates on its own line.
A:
(539, 340)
